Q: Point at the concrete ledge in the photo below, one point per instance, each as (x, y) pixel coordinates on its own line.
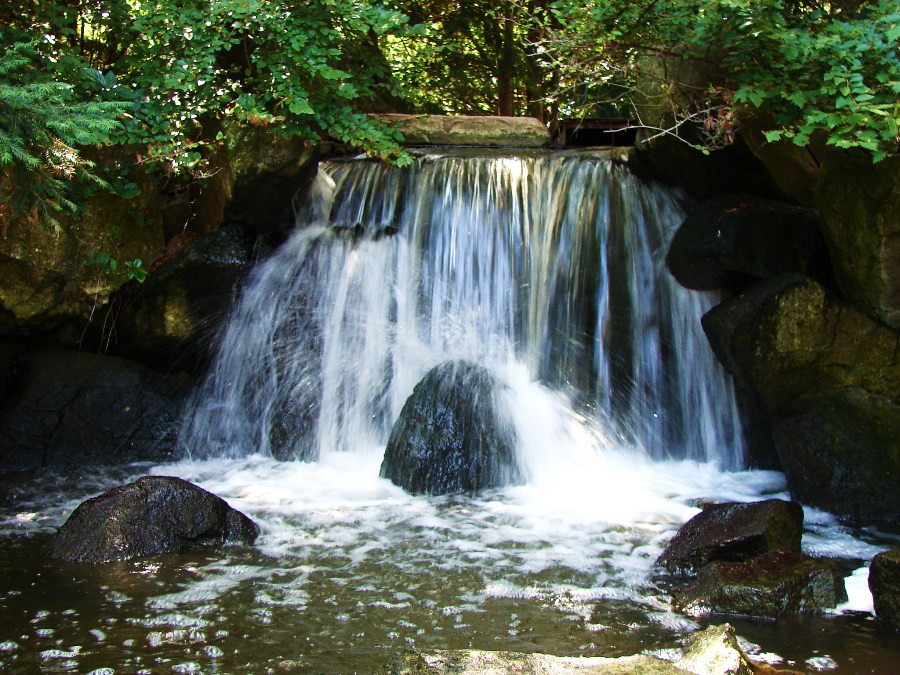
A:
(469, 130)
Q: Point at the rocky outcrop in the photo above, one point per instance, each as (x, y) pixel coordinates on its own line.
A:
(151, 516)
(771, 585)
(734, 532)
(733, 241)
(825, 378)
(170, 321)
(524, 132)
(75, 410)
(786, 337)
(884, 582)
(859, 202)
(453, 434)
(713, 651)
(840, 451)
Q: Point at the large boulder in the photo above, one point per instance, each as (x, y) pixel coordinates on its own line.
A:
(453, 435)
(884, 582)
(169, 322)
(75, 410)
(860, 207)
(786, 337)
(734, 532)
(840, 451)
(771, 585)
(151, 516)
(468, 130)
(732, 241)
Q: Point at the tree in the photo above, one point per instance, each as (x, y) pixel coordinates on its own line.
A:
(43, 121)
(815, 68)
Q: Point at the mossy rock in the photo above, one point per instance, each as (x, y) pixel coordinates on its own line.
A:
(734, 532)
(860, 207)
(787, 336)
(469, 130)
(772, 585)
(840, 450)
(884, 582)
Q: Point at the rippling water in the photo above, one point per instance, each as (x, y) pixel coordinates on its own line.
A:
(350, 568)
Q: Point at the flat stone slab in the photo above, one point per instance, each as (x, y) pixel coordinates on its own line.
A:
(521, 132)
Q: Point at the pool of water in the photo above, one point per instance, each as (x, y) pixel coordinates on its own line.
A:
(349, 568)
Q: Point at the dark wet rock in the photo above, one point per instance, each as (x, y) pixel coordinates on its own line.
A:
(840, 451)
(453, 435)
(734, 532)
(732, 241)
(786, 337)
(7, 374)
(884, 582)
(770, 585)
(151, 516)
(77, 410)
(860, 206)
(169, 322)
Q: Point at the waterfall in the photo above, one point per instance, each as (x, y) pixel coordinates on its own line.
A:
(548, 268)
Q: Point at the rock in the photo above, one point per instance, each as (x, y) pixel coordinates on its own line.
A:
(786, 336)
(713, 651)
(169, 322)
(884, 582)
(794, 169)
(840, 451)
(468, 130)
(734, 532)
(37, 300)
(7, 374)
(78, 410)
(771, 585)
(860, 207)
(151, 516)
(49, 283)
(453, 434)
(732, 241)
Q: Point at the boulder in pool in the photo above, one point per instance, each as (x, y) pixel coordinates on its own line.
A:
(454, 434)
(884, 582)
(151, 516)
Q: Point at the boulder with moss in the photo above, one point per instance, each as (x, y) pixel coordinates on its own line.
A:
(884, 582)
(859, 202)
(733, 532)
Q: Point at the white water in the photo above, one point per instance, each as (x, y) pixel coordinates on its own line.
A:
(546, 268)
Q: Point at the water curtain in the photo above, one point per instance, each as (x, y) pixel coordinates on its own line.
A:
(548, 268)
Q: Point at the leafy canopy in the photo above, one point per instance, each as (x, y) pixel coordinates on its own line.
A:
(830, 68)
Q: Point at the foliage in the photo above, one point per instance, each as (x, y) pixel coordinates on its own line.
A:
(43, 120)
(299, 67)
(815, 68)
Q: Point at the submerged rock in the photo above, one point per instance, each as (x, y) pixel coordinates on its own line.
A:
(734, 532)
(713, 651)
(453, 435)
(884, 582)
(770, 585)
(153, 515)
(732, 241)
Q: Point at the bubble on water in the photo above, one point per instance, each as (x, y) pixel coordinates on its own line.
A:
(823, 662)
(8, 646)
(98, 634)
(213, 652)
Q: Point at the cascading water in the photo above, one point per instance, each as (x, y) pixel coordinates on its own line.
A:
(544, 267)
